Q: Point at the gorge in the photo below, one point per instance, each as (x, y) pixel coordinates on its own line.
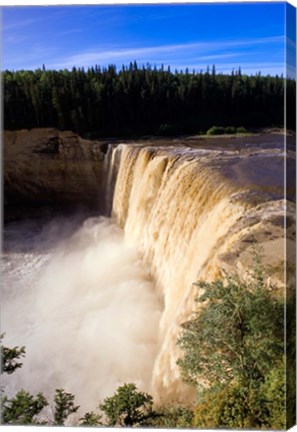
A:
(104, 290)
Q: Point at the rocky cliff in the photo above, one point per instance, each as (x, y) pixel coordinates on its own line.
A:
(46, 165)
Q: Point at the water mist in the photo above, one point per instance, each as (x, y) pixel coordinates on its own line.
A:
(84, 308)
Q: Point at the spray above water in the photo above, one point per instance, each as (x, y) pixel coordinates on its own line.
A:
(86, 311)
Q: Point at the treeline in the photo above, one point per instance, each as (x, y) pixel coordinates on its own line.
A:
(146, 100)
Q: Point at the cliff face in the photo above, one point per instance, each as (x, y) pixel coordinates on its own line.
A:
(46, 165)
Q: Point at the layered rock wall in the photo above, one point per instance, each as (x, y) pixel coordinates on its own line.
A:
(46, 165)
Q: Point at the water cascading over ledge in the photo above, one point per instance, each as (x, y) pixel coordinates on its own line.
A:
(191, 209)
(189, 221)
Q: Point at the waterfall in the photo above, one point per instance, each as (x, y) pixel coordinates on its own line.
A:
(184, 215)
(110, 168)
(117, 288)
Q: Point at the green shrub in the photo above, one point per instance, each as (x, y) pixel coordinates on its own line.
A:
(230, 130)
(23, 408)
(64, 406)
(175, 416)
(274, 393)
(235, 406)
(232, 407)
(233, 354)
(215, 130)
(238, 334)
(91, 419)
(128, 406)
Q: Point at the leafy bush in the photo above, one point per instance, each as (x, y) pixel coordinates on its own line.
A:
(91, 419)
(237, 335)
(219, 130)
(175, 416)
(236, 406)
(9, 357)
(23, 408)
(230, 348)
(64, 406)
(231, 407)
(230, 130)
(225, 406)
(127, 407)
(215, 130)
(274, 393)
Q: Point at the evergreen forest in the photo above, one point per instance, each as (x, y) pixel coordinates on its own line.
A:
(135, 100)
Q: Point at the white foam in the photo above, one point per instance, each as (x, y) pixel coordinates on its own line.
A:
(85, 309)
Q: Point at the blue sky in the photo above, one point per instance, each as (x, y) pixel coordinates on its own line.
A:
(249, 35)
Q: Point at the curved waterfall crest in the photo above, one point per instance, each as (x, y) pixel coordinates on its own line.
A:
(186, 217)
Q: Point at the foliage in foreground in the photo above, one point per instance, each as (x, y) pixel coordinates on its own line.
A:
(23, 408)
(174, 416)
(26, 409)
(64, 406)
(10, 357)
(234, 354)
(128, 407)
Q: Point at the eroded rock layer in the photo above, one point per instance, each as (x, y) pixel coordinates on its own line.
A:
(46, 165)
